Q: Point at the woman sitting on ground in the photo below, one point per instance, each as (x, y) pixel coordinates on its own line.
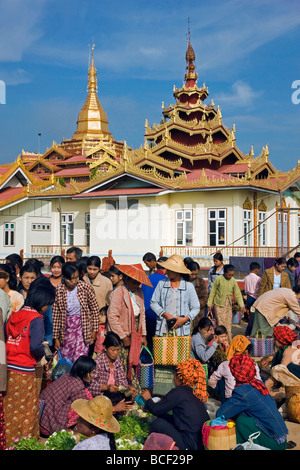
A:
(286, 353)
(109, 374)
(59, 395)
(222, 380)
(96, 423)
(186, 401)
(252, 407)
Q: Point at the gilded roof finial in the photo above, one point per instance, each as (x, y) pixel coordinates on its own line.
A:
(92, 119)
(92, 74)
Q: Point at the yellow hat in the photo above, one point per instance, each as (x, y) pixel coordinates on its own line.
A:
(176, 264)
(97, 411)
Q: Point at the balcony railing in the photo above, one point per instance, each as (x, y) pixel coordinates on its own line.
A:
(228, 251)
(46, 251)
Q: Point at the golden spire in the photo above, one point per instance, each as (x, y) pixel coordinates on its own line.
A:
(92, 120)
(190, 58)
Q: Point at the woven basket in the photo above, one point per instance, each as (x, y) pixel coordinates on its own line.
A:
(220, 439)
(171, 350)
(236, 318)
(145, 368)
(262, 345)
(293, 403)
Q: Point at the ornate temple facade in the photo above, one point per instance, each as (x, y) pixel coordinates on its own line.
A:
(188, 189)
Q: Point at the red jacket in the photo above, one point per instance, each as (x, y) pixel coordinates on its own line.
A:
(25, 333)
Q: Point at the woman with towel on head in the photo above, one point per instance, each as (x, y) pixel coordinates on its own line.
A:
(222, 379)
(252, 407)
(186, 401)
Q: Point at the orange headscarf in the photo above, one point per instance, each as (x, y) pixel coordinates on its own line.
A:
(238, 345)
(191, 373)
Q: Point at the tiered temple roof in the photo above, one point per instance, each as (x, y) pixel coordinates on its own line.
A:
(190, 148)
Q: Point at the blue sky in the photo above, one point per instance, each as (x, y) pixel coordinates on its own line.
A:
(247, 53)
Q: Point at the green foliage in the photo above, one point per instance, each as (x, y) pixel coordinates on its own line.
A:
(26, 443)
(62, 440)
(133, 425)
(128, 444)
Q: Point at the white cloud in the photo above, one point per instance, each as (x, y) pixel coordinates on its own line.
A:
(16, 76)
(139, 41)
(19, 27)
(242, 95)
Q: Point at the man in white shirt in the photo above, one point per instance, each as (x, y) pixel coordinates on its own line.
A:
(251, 286)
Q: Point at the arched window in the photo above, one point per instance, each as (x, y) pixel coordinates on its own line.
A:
(262, 228)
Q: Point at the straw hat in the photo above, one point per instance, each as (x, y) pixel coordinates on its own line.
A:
(97, 411)
(135, 271)
(176, 264)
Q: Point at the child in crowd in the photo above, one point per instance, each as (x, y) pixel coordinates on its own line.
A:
(224, 288)
(220, 353)
(103, 288)
(115, 276)
(221, 332)
(251, 283)
(204, 343)
(99, 348)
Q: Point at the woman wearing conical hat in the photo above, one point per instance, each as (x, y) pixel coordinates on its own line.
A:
(96, 423)
(175, 300)
(126, 317)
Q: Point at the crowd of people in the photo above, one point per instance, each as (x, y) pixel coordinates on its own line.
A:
(98, 315)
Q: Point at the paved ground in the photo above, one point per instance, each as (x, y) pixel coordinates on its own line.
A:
(294, 428)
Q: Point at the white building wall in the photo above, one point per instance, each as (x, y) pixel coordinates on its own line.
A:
(23, 215)
(130, 233)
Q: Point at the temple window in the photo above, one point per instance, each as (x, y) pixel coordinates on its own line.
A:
(247, 222)
(87, 228)
(9, 234)
(184, 227)
(262, 228)
(41, 227)
(282, 229)
(67, 226)
(217, 227)
(282, 222)
(112, 204)
(121, 203)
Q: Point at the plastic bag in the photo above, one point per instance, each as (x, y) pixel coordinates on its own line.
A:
(249, 445)
(221, 421)
(63, 366)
